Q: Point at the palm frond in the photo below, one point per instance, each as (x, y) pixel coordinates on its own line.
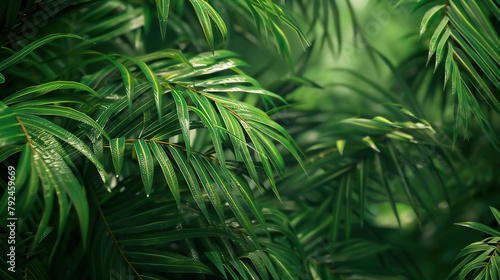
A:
(467, 41)
(480, 259)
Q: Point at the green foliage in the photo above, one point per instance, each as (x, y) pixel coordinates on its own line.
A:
(156, 140)
(481, 260)
(467, 35)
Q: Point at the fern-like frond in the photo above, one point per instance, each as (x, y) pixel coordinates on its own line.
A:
(480, 260)
(466, 40)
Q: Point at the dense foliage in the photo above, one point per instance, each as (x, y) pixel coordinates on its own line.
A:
(250, 139)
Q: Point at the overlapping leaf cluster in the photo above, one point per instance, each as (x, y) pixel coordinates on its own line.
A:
(170, 121)
(480, 259)
(136, 160)
(467, 41)
(359, 162)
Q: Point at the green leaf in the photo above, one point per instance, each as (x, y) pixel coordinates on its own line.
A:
(183, 114)
(202, 102)
(117, 147)
(167, 262)
(340, 193)
(208, 185)
(479, 227)
(8, 151)
(440, 47)
(273, 154)
(249, 200)
(168, 170)
(361, 175)
(244, 89)
(66, 112)
(22, 171)
(236, 207)
(35, 122)
(239, 144)
(267, 262)
(496, 213)
(54, 173)
(402, 178)
(379, 168)
(211, 68)
(249, 270)
(284, 268)
(373, 126)
(282, 43)
(214, 134)
(219, 22)
(162, 6)
(435, 37)
(13, 59)
(36, 91)
(216, 259)
(23, 167)
(460, 265)
(430, 16)
(448, 64)
(259, 265)
(460, 55)
(155, 84)
(204, 18)
(128, 81)
(224, 80)
(260, 151)
(166, 53)
(368, 140)
(418, 4)
(474, 264)
(205, 12)
(162, 238)
(48, 197)
(264, 126)
(340, 146)
(10, 129)
(191, 180)
(146, 166)
(62, 98)
(474, 248)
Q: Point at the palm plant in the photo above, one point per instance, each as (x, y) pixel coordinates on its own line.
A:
(164, 159)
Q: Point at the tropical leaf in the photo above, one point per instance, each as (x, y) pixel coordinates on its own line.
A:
(281, 173)
(162, 7)
(467, 31)
(168, 170)
(182, 108)
(117, 147)
(40, 90)
(10, 129)
(37, 123)
(157, 89)
(145, 160)
(481, 258)
(18, 56)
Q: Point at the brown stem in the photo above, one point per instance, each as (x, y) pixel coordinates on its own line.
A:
(112, 235)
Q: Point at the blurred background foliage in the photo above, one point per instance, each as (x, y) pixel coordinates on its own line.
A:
(370, 187)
